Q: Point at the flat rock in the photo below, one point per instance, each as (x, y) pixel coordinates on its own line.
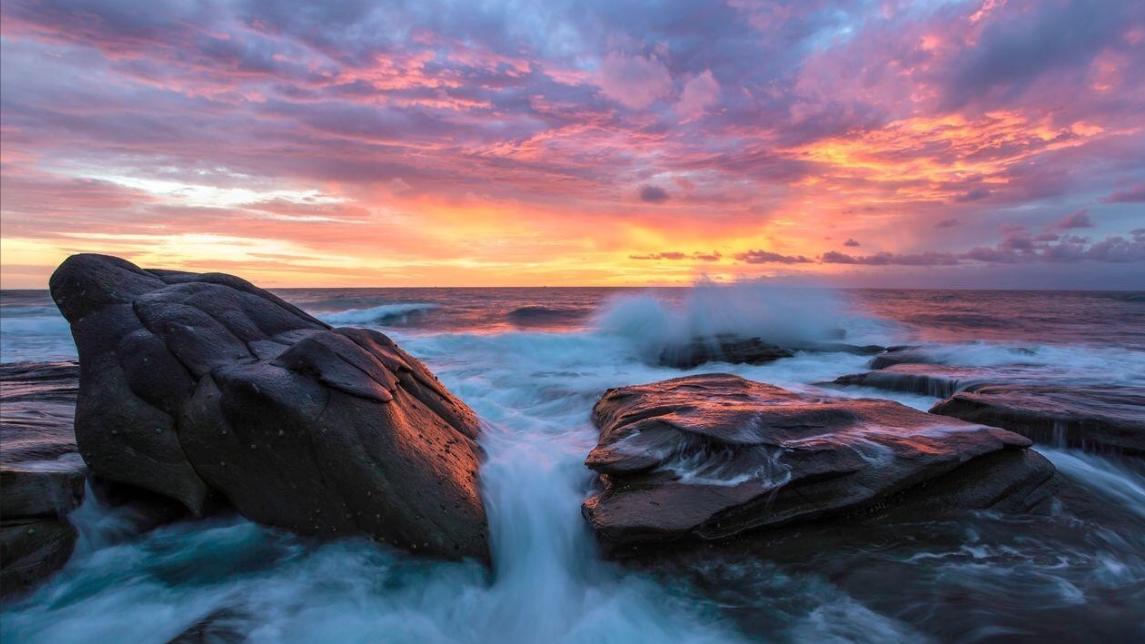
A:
(1106, 418)
(714, 456)
(41, 489)
(941, 381)
(211, 391)
(902, 355)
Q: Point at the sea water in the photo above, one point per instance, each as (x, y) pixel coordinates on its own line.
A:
(532, 362)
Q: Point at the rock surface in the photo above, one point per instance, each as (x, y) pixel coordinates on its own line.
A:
(713, 456)
(209, 390)
(1107, 418)
(41, 476)
(35, 538)
(31, 550)
(941, 381)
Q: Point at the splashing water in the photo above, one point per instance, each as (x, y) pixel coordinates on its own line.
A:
(783, 316)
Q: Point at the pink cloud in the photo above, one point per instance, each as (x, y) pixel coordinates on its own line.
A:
(634, 81)
(700, 92)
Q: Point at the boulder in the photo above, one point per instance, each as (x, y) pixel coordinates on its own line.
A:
(211, 391)
(713, 456)
(1107, 418)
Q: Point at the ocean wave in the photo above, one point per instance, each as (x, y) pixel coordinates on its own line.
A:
(384, 314)
(787, 317)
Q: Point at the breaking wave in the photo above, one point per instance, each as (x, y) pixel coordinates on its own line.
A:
(790, 317)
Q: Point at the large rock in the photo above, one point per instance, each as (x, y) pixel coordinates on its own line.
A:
(207, 389)
(713, 456)
(1108, 418)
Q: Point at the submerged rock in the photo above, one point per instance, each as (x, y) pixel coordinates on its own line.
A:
(209, 390)
(743, 350)
(721, 348)
(1108, 418)
(714, 456)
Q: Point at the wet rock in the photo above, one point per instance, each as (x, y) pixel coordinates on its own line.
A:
(31, 550)
(940, 381)
(35, 538)
(902, 355)
(721, 348)
(1108, 418)
(714, 456)
(209, 390)
(41, 490)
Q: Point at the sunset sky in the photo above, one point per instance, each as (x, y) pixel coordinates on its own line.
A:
(930, 143)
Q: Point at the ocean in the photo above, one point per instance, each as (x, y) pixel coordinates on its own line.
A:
(531, 362)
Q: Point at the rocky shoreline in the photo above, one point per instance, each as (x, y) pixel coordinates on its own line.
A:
(219, 396)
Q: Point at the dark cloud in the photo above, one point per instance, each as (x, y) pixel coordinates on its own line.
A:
(851, 243)
(972, 195)
(1079, 219)
(653, 194)
(889, 259)
(949, 222)
(766, 257)
(1018, 47)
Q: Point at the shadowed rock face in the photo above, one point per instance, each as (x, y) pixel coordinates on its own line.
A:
(205, 388)
(712, 456)
(1102, 418)
(41, 476)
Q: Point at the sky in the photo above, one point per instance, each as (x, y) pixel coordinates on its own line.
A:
(937, 143)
